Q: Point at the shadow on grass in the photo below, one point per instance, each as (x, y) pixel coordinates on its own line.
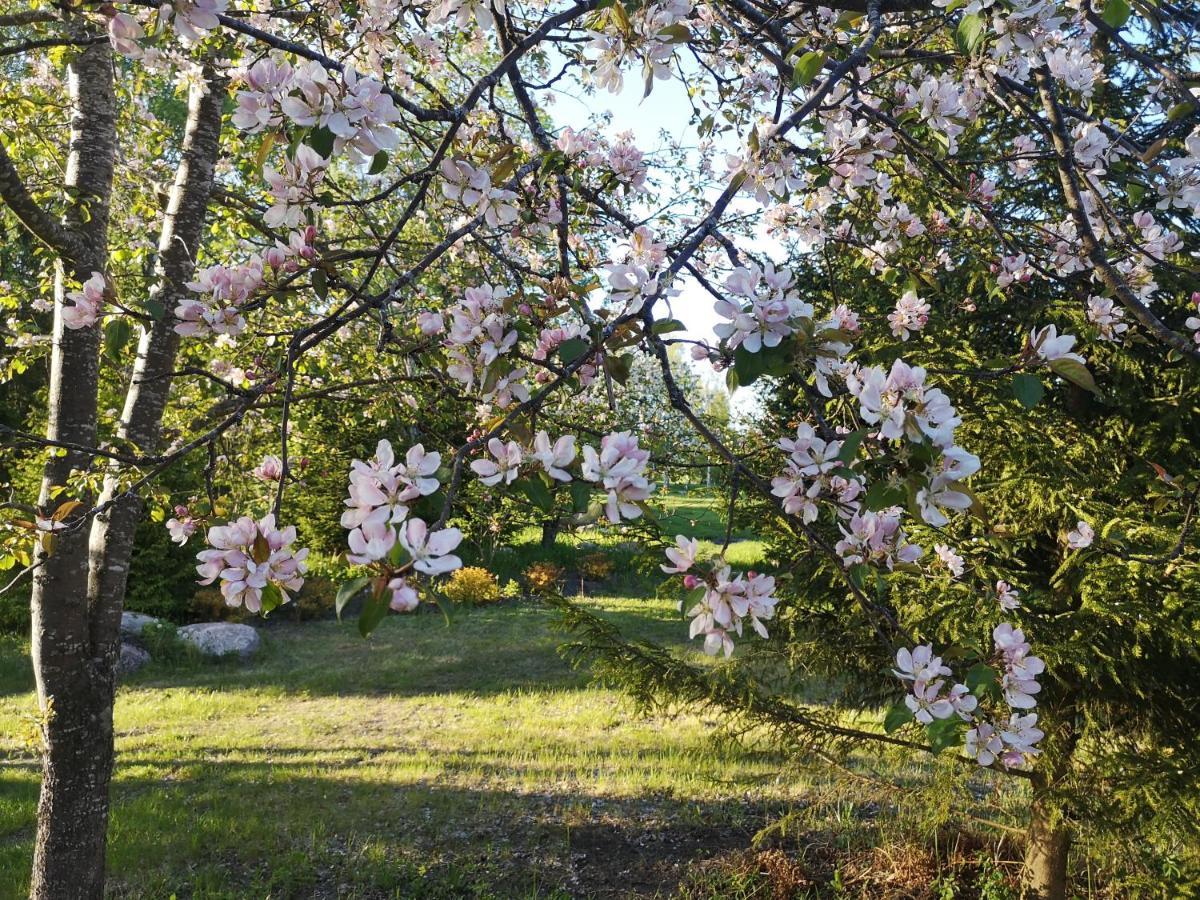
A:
(224, 829)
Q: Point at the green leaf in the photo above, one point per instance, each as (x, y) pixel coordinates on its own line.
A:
(1075, 372)
(882, 495)
(895, 717)
(1116, 13)
(320, 283)
(619, 367)
(374, 611)
(1028, 389)
(850, 445)
(156, 310)
(749, 366)
(1180, 111)
(581, 495)
(970, 32)
(537, 492)
(117, 332)
(807, 67)
(321, 139)
(666, 326)
(348, 592)
(272, 597)
(569, 351)
(943, 733)
(378, 163)
(979, 676)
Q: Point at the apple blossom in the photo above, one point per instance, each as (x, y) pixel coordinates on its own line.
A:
(554, 459)
(248, 557)
(1081, 536)
(431, 551)
(504, 468)
(87, 302)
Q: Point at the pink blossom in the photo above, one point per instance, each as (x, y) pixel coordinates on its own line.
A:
(682, 555)
(503, 469)
(1081, 536)
(431, 551)
(87, 303)
(554, 459)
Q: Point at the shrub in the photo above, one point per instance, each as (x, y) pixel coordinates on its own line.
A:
(595, 566)
(162, 574)
(472, 585)
(162, 642)
(209, 606)
(543, 577)
(316, 600)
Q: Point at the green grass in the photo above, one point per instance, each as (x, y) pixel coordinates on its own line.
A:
(469, 760)
(434, 761)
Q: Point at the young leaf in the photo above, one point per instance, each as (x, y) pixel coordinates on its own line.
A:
(979, 676)
(348, 592)
(1074, 372)
(970, 33)
(1028, 389)
(378, 163)
(321, 139)
(374, 611)
(117, 332)
(1116, 13)
(807, 67)
(569, 351)
(895, 717)
(943, 733)
(537, 492)
(272, 597)
(850, 445)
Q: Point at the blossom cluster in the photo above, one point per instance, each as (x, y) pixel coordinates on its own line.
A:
(222, 290)
(87, 303)
(382, 490)
(249, 557)
(929, 699)
(472, 187)
(481, 332)
(619, 467)
(728, 601)
(768, 309)
(355, 108)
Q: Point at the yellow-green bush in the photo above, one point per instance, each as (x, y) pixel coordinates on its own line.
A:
(596, 566)
(471, 585)
(542, 577)
(208, 605)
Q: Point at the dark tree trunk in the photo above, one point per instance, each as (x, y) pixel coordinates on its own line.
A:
(81, 586)
(74, 684)
(550, 529)
(1047, 851)
(1046, 874)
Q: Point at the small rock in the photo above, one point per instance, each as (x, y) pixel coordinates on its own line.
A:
(133, 623)
(221, 638)
(132, 658)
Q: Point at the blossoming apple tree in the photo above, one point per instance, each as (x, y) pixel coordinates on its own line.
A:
(376, 202)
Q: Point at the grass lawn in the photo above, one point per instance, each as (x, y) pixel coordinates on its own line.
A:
(471, 760)
(425, 762)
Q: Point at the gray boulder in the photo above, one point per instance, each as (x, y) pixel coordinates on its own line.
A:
(221, 638)
(133, 623)
(132, 658)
